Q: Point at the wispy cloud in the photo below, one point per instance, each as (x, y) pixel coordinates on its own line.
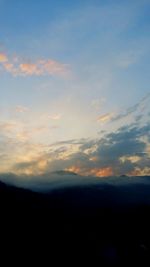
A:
(21, 109)
(105, 117)
(7, 126)
(138, 107)
(54, 117)
(19, 67)
(131, 110)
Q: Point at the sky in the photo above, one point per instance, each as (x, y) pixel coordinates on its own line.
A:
(75, 87)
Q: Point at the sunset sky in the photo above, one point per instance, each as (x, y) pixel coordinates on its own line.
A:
(75, 87)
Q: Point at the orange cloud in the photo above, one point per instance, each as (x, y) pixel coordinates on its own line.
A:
(98, 172)
(19, 67)
(104, 118)
(29, 69)
(102, 172)
(42, 67)
(3, 58)
(9, 67)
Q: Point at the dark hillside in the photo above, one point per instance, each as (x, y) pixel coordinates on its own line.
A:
(96, 225)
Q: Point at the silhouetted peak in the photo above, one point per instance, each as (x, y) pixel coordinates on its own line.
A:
(63, 172)
(2, 185)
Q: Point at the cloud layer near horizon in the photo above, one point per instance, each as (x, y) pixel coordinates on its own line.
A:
(125, 151)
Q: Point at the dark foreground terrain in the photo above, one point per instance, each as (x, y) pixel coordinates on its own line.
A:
(95, 225)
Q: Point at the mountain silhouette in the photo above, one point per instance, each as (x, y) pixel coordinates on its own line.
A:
(100, 225)
(63, 172)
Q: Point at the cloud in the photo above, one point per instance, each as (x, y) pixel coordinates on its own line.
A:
(132, 159)
(81, 141)
(105, 117)
(19, 67)
(141, 172)
(101, 172)
(9, 67)
(138, 107)
(21, 109)
(55, 117)
(106, 153)
(131, 110)
(121, 152)
(3, 58)
(7, 126)
(29, 69)
(115, 153)
(31, 167)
